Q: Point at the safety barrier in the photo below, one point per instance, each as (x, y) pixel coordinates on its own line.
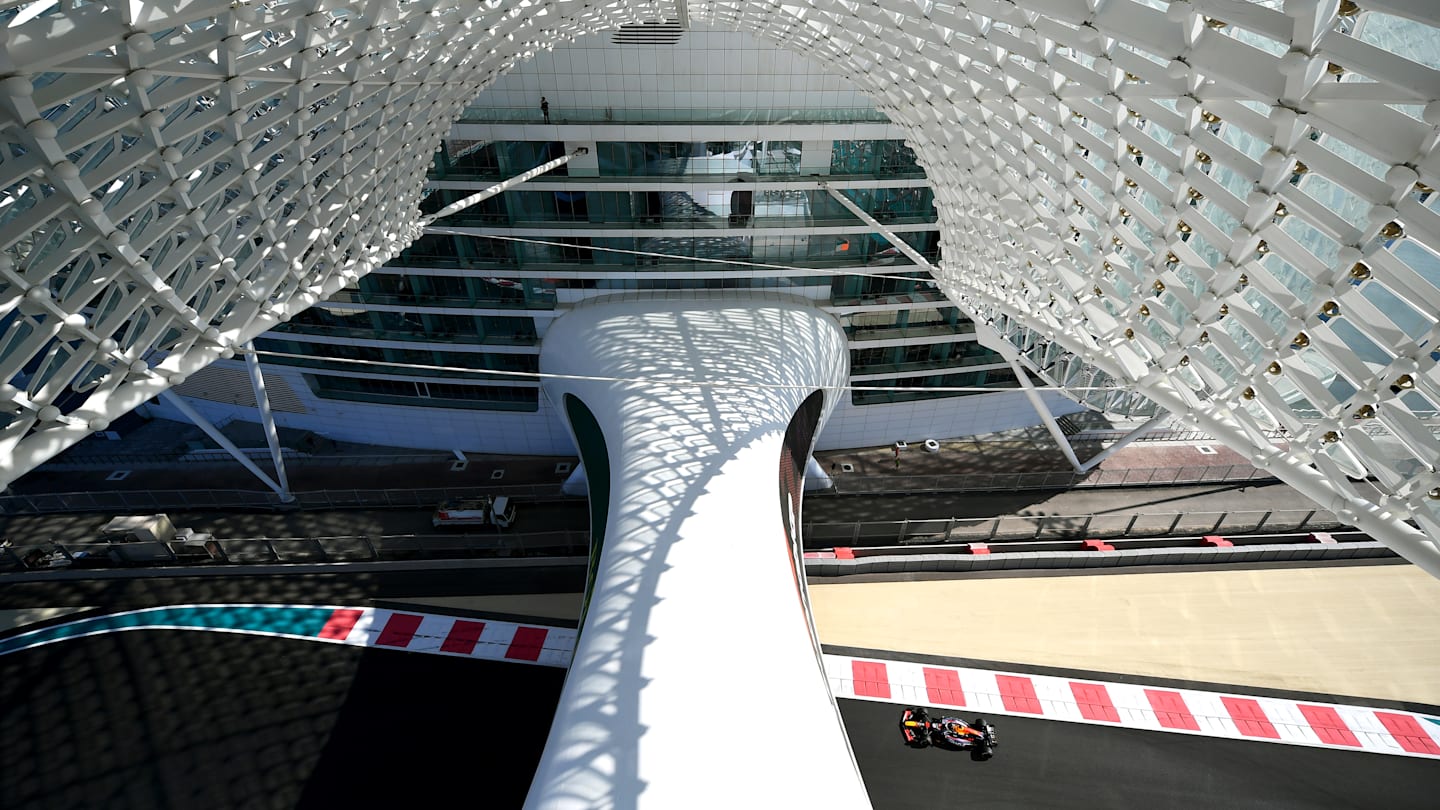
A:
(1025, 527)
(253, 550)
(854, 484)
(142, 501)
(293, 459)
(1000, 559)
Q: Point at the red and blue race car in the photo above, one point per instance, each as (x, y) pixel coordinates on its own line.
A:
(921, 731)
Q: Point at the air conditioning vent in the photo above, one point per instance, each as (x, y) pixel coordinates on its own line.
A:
(659, 32)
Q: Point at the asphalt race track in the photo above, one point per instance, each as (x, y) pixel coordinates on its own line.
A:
(183, 719)
(1045, 764)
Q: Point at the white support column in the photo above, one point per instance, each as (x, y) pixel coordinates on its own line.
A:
(214, 433)
(1006, 350)
(1381, 522)
(890, 236)
(267, 420)
(1149, 425)
(481, 196)
(1038, 403)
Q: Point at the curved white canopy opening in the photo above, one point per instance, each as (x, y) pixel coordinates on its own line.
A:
(1225, 207)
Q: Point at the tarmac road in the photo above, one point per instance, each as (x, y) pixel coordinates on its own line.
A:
(173, 719)
(1049, 764)
(169, 719)
(544, 516)
(465, 588)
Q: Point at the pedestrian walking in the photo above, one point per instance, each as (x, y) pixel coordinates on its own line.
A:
(545, 109)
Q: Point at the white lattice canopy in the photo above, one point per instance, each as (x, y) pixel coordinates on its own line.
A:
(1223, 206)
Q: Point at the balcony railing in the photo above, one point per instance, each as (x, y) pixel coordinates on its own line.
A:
(638, 182)
(866, 333)
(881, 299)
(544, 300)
(658, 222)
(502, 266)
(397, 369)
(525, 339)
(671, 115)
(925, 365)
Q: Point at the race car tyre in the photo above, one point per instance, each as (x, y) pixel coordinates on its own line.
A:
(982, 753)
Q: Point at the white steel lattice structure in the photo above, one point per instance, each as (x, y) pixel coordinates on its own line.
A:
(1223, 206)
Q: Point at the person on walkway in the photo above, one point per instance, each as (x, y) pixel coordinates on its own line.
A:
(545, 109)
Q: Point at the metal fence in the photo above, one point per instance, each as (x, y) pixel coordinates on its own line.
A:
(850, 484)
(253, 550)
(1031, 527)
(293, 458)
(142, 501)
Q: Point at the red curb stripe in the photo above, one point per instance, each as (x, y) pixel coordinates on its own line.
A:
(463, 637)
(1407, 731)
(871, 680)
(1249, 718)
(340, 623)
(943, 686)
(1094, 702)
(399, 630)
(1170, 709)
(1328, 726)
(527, 644)
(1018, 694)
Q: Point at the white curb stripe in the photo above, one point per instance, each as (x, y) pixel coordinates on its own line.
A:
(1213, 714)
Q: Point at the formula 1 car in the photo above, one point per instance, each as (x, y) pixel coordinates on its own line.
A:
(952, 733)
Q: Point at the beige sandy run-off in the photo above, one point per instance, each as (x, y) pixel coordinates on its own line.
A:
(1370, 631)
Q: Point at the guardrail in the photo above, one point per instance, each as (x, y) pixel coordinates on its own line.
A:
(253, 550)
(1010, 528)
(852, 484)
(1049, 555)
(293, 458)
(142, 501)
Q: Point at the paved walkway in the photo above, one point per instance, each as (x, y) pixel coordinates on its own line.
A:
(1362, 631)
(1024, 451)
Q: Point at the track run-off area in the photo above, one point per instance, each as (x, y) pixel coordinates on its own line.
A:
(321, 706)
(1114, 704)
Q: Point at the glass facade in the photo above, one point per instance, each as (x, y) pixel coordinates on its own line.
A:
(472, 289)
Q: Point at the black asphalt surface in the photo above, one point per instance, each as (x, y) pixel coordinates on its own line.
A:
(545, 516)
(172, 719)
(1049, 764)
(350, 588)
